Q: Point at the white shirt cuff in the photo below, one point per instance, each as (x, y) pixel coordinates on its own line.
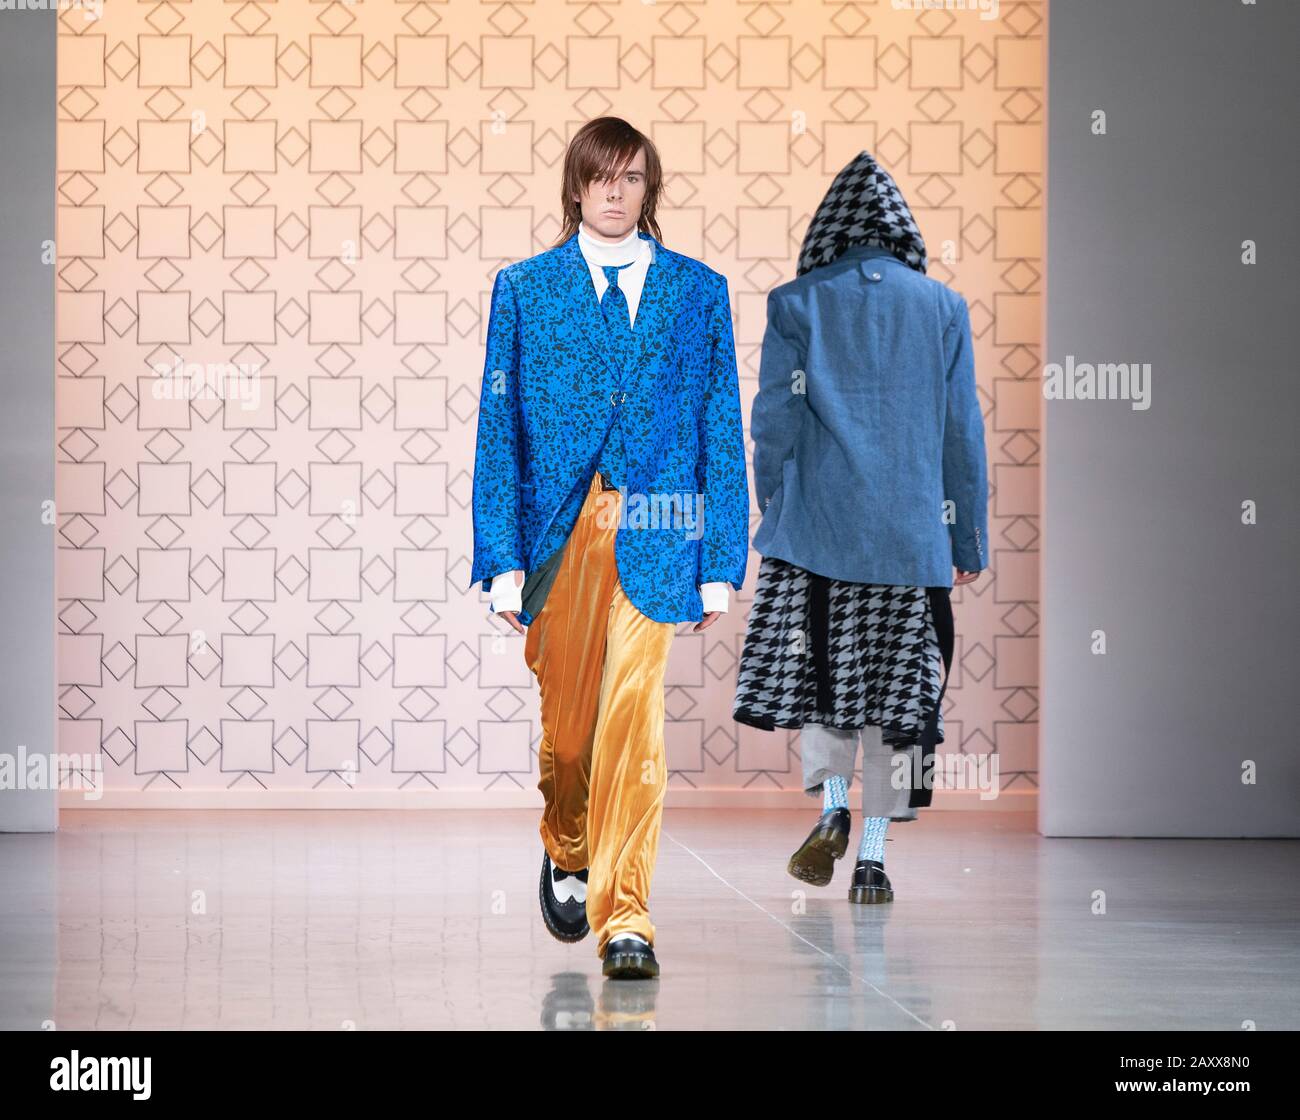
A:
(715, 595)
(506, 594)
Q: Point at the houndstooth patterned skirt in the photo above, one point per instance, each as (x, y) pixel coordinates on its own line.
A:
(838, 654)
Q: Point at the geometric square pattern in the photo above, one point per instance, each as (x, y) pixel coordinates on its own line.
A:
(277, 232)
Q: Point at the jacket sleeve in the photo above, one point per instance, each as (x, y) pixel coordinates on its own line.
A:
(778, 408)
(724, 545)
(498, 544)
(965, 475)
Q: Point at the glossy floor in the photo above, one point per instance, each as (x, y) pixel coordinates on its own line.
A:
(330, 920)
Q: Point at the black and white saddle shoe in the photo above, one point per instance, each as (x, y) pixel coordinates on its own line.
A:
(814, 862)
(629, 958)
(870, 883)
(565, 916)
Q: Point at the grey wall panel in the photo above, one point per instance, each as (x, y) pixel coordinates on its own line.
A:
(1142, 509)
(27, 659)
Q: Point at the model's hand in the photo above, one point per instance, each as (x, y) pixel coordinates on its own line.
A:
(512, 617)
(707, 621)
(963, 577)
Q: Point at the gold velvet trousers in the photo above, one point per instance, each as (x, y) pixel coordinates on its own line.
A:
(600, 665)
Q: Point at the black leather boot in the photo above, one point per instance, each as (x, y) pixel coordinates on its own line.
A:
(870, 883)
(814, 862)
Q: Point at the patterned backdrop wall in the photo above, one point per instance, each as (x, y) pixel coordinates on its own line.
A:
(262, 587)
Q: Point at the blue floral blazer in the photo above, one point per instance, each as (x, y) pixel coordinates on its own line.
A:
(552, 389)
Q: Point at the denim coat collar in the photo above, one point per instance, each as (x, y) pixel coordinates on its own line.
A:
(867, 257)
(657, 298)
(865, 251)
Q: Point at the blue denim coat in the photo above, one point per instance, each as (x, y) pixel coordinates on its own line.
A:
(552, 390)
(869, 461)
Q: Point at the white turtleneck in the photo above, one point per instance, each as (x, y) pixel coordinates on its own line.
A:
(507, 595)
(633, 248)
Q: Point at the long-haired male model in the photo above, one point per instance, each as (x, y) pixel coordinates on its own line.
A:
(611, 502)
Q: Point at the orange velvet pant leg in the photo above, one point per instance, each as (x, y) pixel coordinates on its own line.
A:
(599, 664)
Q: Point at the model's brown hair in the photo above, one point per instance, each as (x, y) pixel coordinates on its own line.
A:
(601, 149)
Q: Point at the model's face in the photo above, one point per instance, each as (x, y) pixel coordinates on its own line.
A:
(611, 209)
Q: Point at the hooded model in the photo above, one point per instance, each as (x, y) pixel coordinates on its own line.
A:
(869, 467)
(610, 478)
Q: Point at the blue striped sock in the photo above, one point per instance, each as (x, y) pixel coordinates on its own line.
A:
(835, 794)
(873, 839)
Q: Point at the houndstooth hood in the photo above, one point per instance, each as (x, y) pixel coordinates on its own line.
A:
(862, 207)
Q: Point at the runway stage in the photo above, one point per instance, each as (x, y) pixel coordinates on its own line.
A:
(386, 920)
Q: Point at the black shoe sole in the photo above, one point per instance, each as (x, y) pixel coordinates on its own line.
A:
(868, 895)
(814, 862)
(630, 966)
(560, 933)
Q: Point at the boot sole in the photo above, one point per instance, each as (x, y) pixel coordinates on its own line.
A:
(814, 862)
(869, 895)
(630, 966)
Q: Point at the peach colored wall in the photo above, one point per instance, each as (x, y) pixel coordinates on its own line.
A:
(272, 597)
